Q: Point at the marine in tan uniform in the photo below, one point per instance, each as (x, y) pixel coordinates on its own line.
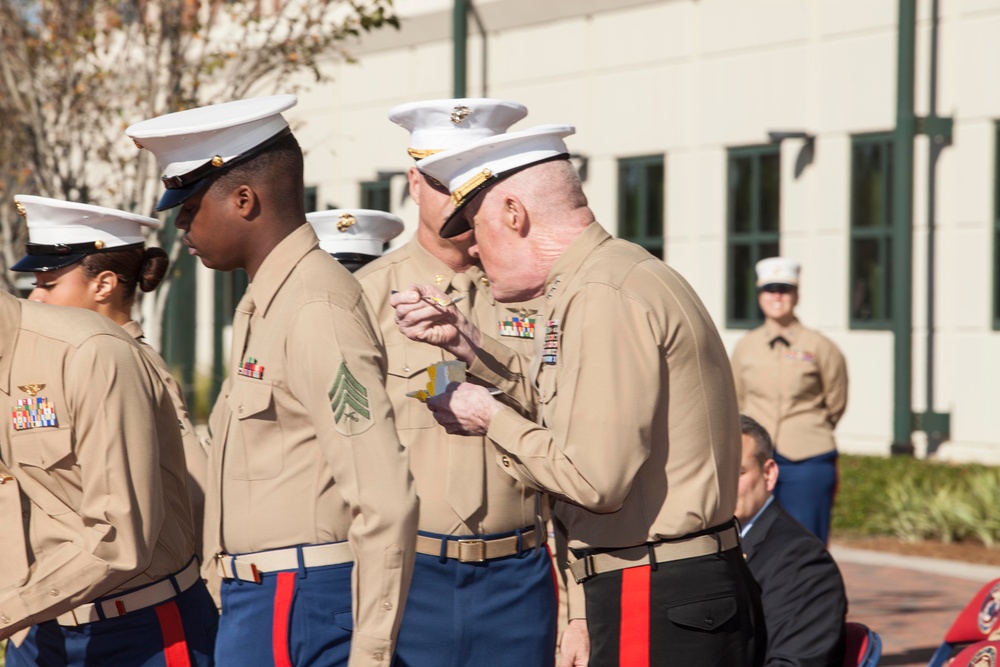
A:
(105, 280)
(638, 434)
(354, 236)
(481, 557)
(793, 381)
(97, 565)
(310, 507)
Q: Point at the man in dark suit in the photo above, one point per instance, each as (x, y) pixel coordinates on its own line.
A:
(801, 587)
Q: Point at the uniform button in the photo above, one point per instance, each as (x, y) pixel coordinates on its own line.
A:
(505, 461)
(709, 621)
(378, 657)
(227, 395)
(4, 618)
(387, 605)
(406, 369)
(54, 592)
(240, 409)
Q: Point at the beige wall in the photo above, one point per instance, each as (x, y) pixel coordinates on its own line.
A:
(689, 79)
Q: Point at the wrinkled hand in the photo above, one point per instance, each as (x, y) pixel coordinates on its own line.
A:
(421, 316)
(574, 650)
(464, 409)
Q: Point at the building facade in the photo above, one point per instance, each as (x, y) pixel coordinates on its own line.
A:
(719, 132)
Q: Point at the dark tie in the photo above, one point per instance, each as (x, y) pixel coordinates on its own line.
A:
(779, 339)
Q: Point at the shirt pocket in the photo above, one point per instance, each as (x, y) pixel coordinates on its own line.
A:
(255, 447)
(14, 555)
(48, 467)
(407, 371)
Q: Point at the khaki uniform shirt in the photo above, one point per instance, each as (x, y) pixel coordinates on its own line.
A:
(195, 453)
(304, 447)
(641, 437)
(93, 498)
(796, 387)
(459, 493)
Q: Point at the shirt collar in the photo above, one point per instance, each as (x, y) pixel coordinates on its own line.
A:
(10, 322)
(749, 524)
(279, 263)
(572, 258)
(431, 270)
(788, 333)
(133, 329)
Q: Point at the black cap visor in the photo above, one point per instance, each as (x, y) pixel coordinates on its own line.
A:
(177, 196)
(42, 257)
(457, 224)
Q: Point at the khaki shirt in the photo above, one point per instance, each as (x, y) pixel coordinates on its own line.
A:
(501, 503)
(641, 437)
(195, 452)
(101, 481)
(796, 388)
(304, 446)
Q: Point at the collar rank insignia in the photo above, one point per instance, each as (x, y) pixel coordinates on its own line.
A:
(550, 348)
(518, 327)
(349, 403)
(252, 369)
(34, 412)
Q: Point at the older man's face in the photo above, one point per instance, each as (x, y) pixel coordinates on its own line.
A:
(756, 481)
(506, 255)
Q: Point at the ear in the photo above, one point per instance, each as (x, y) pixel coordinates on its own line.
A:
(514, 215)
(104, 285)
(771, 474)
(246, 200)
(415, 179)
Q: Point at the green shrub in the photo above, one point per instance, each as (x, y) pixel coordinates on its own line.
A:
(917, 500)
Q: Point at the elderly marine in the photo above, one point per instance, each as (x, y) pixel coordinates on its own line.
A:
(637, 434)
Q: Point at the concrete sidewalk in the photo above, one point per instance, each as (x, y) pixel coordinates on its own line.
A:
(910, 602)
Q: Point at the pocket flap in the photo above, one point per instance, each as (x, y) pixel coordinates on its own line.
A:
(408, 360)
(705, 615)
(44, 448)
(249, 398)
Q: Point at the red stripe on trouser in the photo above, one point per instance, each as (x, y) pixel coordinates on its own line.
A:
(283, 591)
(633, 647)
(175, 648)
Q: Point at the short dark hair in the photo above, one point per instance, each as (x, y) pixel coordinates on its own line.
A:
(761, 438)
(280, 164)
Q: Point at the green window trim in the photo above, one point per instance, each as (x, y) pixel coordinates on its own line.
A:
(871, 232)
(641, 199)
(376, 195)
(996, 227)
(753, 226)
(311, 199)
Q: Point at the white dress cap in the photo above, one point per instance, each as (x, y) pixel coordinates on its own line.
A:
(437, 125)
(470, 168)
(61, 233)
(354, 231)
(777, 271)
(192, 145)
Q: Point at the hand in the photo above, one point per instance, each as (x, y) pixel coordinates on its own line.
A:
(464, 409)
(422, 316)
(574, 650)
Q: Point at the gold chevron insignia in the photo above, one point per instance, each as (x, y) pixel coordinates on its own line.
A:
(31, 389)
(348, 397)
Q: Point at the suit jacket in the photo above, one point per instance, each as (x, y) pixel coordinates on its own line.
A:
(801, 589)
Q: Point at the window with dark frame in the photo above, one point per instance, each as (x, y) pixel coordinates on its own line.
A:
(641, 184)
(996, 228)
(870, 289)
(376, 195)
(753, 227)
(312, 199)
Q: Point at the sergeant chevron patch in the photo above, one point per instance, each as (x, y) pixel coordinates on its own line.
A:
(349, 402)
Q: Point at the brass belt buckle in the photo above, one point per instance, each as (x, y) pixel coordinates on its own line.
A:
(471, 551)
